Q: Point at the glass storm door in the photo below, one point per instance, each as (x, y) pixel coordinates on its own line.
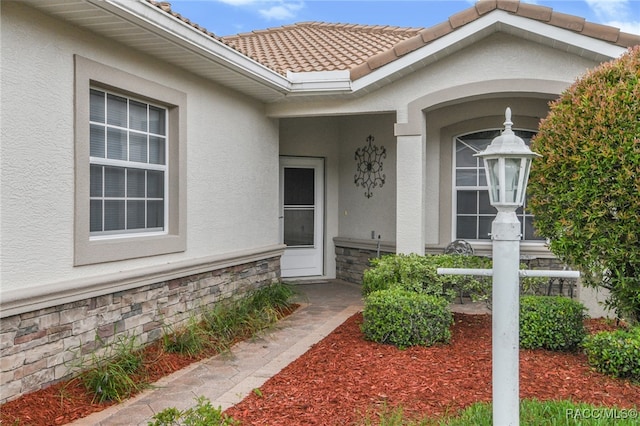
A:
(301, 202)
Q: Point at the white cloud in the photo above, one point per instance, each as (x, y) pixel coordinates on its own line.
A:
(632, 27)
(238, 2)
(284, 10)
(270, 9)
(609, 9)
(616, 13)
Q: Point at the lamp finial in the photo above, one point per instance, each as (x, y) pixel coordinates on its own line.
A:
(508, 123)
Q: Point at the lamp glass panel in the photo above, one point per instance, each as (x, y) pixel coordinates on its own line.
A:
(511, 179)
(493, 178)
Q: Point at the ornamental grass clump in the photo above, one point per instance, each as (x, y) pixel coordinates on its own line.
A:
(551, 322)
(108, 375)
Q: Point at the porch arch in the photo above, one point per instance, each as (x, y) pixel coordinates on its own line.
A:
(412, 212)
(537, 88)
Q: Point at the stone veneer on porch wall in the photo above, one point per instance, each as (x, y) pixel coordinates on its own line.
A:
(37, 347)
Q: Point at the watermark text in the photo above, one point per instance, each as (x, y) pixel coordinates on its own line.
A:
(601, 413)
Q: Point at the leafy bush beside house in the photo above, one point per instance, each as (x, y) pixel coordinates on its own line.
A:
(585, 190)
(419, 273)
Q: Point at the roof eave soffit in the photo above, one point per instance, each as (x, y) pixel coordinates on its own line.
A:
(193, 40)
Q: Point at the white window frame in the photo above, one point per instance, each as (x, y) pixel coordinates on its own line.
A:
(121, 245)
(128, 164)
(521, 213)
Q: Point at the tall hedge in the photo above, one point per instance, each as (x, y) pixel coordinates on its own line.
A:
(585, 190)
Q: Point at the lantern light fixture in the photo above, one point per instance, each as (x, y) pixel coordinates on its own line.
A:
(507, 161)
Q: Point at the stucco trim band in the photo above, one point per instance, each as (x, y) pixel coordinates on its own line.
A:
(30, 299)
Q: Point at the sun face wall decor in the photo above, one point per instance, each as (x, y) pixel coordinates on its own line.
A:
(369, 166)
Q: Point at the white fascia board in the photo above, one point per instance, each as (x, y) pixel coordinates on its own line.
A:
(490, 22)
(143, 13)
(324, 82)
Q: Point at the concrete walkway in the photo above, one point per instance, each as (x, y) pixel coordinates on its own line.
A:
(228, 378)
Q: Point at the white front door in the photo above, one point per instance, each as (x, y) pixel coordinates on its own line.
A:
(302, 216)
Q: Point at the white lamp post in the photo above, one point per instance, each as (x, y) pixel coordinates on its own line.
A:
(507, 161)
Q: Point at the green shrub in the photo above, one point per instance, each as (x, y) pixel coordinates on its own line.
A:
(551, 322)
(406, 318)
(419, 273)
(203, 414)
(584, 190)
(616, 353)
(411, 272)
(476, 287)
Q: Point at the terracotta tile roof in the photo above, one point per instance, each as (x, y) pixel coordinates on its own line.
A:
(319, 46)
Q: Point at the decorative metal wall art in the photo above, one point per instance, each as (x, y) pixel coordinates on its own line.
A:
(369, 166)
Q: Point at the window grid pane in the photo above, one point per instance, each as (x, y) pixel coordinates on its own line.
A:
(127, 165)
(474, 214)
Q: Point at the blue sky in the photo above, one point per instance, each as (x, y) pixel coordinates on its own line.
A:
(226, 17)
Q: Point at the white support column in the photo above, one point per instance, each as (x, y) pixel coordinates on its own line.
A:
(410, 223)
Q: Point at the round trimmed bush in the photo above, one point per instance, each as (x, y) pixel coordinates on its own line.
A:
(405, 318)
(551, 322)
(616, 353)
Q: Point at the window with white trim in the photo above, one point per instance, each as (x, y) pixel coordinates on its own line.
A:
(128, 140)
(473, 213)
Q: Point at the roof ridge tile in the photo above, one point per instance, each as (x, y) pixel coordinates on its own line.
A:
(534, 11)
(463, 17)
(508, 5)
(569, 22)
(485, 6)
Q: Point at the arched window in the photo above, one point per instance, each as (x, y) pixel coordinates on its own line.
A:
(473, 213)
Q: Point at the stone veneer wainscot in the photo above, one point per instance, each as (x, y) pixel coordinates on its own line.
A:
(37, 347)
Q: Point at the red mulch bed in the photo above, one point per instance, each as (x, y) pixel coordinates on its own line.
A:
(343, 378)
(69, 400)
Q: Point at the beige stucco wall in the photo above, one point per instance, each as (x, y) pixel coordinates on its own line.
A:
(232, 155)
(348, 213)
(593, 299)
(359, 215)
